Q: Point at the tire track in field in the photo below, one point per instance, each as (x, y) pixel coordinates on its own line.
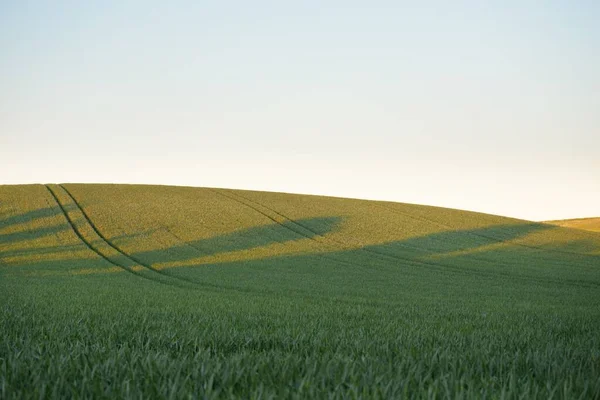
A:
(316, 255)
(157, 278)
(495, 240)
(79, 234)
(488, 239)
(184, 281)
(436, 265)
(324, 241)
(236, 198)
(204, 285)
(189, 281)
(312, 235)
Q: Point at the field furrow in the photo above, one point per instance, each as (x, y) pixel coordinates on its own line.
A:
(85, 230)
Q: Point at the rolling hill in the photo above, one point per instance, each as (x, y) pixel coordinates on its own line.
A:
(586, 224)
(157, 291)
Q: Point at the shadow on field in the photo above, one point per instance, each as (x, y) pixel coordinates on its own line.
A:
(27, 235)
(14, 229)
(489, 252)
(23, 218)
(30, 240)
(244, 239)
(482, 253)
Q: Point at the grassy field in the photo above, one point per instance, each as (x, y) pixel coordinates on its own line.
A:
(110, 291)
(587, 224)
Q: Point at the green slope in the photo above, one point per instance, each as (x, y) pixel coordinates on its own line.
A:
(131, 290)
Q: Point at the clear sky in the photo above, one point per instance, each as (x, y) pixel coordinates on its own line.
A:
(491, 106)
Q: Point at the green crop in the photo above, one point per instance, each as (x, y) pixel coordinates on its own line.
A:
(132, 291)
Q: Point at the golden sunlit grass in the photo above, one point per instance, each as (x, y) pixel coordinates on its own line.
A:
(587, 224)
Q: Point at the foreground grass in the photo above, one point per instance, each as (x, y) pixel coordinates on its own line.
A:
(179, 292)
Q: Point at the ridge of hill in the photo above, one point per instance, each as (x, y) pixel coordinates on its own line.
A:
(586, 224)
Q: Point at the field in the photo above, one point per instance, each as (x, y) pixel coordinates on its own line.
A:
(111, 291)
(587, 224)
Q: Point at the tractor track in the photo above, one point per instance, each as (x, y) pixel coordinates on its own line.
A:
(439, 266)
(381, 256)
(323, 241)
(302, 235)
(184, 282)
(203, 285)
(299, 230)
(81, 237)
(492, 239)
(89, 222)
(489, 241)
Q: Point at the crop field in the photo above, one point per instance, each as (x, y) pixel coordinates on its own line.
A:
(587, 224)
(134, 291)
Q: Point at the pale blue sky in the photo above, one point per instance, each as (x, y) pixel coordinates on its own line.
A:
(487, 106)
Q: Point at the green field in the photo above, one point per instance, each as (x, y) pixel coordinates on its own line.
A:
(110, 291)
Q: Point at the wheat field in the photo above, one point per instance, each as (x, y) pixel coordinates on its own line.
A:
(119, 291)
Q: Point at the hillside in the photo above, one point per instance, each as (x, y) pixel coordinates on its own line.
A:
(270, 294)
(175, 230)
(586, 224)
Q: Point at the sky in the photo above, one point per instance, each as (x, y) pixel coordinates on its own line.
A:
(485, 106)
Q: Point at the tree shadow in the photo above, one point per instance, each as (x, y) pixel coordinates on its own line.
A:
(20, 245)
(243, 239)
(491, 253)
(8, 220)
